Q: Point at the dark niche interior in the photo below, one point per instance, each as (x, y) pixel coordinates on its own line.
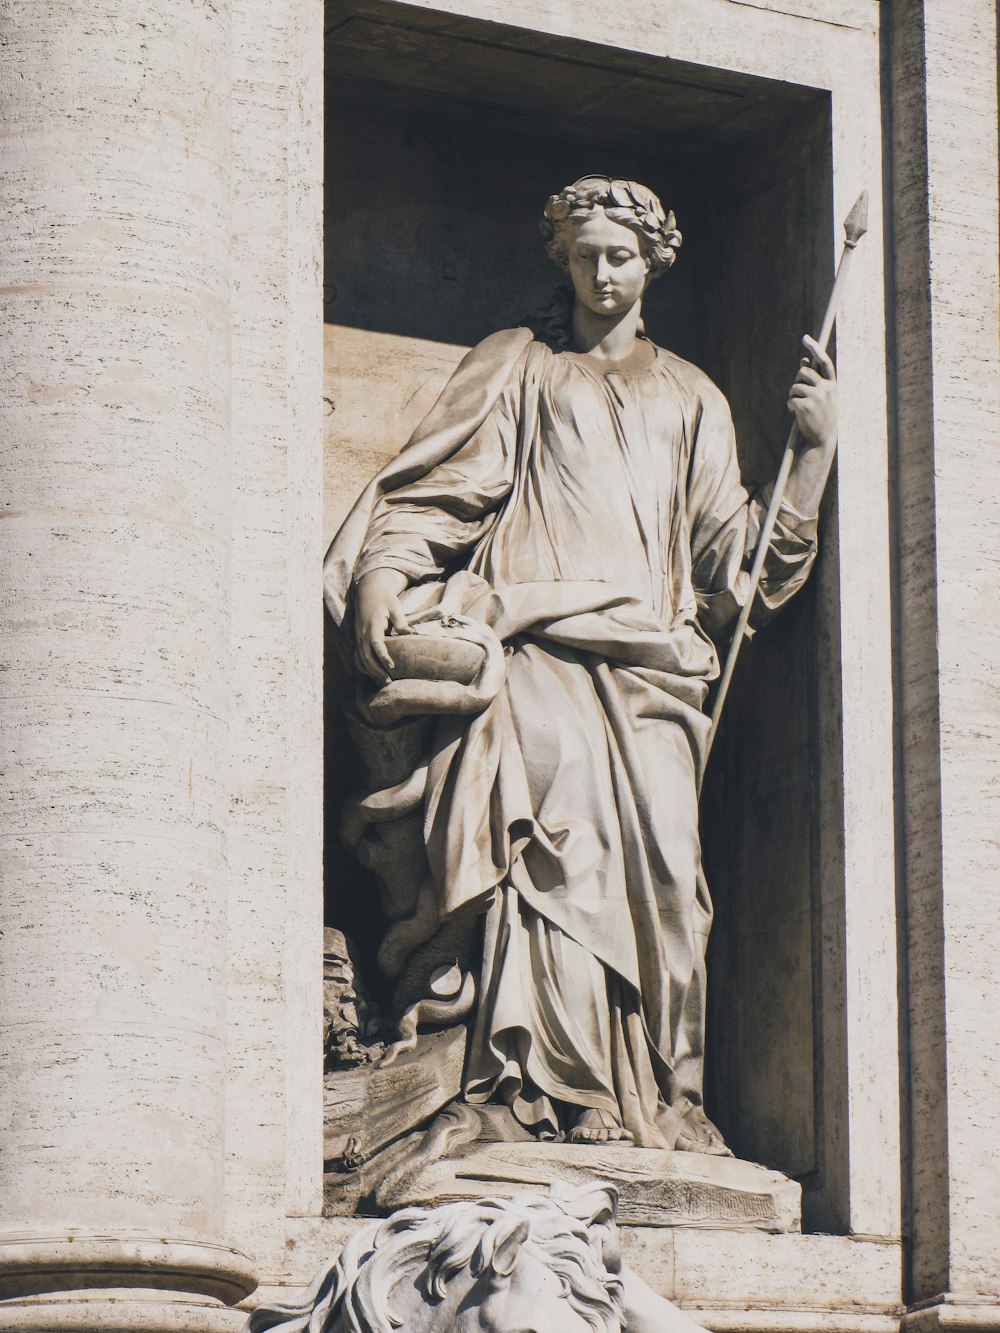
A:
(444, 138)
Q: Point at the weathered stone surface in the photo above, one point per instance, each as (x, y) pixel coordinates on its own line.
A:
(655, 1188)
(370, 1106)
(151, 1312)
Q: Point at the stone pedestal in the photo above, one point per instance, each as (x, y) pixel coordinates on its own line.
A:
(655, 1188)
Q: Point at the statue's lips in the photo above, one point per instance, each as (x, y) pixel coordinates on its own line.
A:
(434, 657)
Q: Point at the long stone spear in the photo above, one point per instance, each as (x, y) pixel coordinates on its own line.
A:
(855, 226)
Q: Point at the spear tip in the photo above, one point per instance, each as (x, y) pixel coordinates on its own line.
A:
(856, 222)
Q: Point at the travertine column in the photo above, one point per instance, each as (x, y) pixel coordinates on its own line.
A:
(944, 172)
(114, 664)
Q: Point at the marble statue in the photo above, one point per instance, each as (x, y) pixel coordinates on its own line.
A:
(533, 1264)
(530, 597)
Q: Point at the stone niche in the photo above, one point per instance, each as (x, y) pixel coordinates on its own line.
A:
(444, 137)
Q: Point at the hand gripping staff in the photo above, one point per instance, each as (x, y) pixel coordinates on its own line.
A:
(855, 226)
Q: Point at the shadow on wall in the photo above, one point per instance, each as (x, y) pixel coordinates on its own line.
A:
(432, 222)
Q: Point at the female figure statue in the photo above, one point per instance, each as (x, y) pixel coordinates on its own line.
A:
(573, 505)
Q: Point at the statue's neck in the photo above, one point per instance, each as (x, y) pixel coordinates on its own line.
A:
(605, 337)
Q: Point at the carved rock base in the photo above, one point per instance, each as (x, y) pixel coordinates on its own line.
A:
(655, 1187)
(373, 1105)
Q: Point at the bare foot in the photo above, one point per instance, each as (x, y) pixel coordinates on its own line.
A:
(700, 1135)
(597, 1127)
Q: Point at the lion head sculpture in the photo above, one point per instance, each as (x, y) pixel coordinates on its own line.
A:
(535, 1264)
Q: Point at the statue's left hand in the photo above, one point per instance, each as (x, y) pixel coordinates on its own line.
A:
(812, 399)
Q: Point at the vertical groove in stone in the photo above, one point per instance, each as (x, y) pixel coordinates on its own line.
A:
(915, 518)
(115, 516)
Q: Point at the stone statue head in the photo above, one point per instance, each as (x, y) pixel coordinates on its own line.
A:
(626, 202)
(544, 1263)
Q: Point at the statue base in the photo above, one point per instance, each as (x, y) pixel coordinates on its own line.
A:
(466, 1152)
(656, 1187)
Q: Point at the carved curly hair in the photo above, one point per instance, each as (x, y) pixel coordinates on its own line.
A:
(571, 1231)
(627, 202)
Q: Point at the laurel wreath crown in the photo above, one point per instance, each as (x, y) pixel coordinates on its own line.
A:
(641, 208)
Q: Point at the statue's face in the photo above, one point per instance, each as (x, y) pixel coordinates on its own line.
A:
(608, 269)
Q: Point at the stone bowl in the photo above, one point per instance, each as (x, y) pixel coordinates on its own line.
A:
(434, 657)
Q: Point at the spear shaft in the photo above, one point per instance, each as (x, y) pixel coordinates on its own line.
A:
(855, 226)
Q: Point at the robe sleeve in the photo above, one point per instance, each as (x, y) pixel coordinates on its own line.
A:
(424, 528)
(725, 524)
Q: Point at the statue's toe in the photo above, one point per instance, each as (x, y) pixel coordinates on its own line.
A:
(597, 1127)
(700, 1135)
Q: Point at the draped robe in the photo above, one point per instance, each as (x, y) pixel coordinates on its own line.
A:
(595, 519)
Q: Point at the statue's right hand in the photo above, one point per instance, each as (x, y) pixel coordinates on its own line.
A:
(376, 608)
